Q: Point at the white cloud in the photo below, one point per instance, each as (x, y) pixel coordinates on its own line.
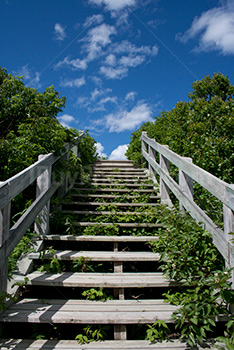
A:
(100, 150)
(215, 29)
(74, 64)
(59, 32)
(114, 5)
(119, 153)
(93, 20)
(124, 120)
(126, 55)
(96, 39)
(73, 82)
(130, 96)
(66, 119)
(114, 73)
(32, 79)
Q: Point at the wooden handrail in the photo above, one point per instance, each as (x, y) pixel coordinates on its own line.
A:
(189, 172)
(9, 189)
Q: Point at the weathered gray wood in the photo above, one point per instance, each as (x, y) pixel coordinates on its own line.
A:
(84, 238)
(220, 189)
(105, 280)
(25, 221)
(4, 234)
(41, 225)
(100, 255)
(110, 196)
(164, 190)
(130, 185)
(17, 183)
(119, 224)
(120, 332)
(186, 183)
(122, 204)
(20, 344)
(85, 312)
(197, 213)
(119, 190)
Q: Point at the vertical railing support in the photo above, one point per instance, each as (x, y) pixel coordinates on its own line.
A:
(186, 183)
(4, 234)
(228, 220)
(152, 154)
(164, 190)
(41, 225)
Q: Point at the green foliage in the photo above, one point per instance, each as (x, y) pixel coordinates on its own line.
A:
(201, 128)
(157, 332)
(92, 333)
(3, 297)
(189, 257)
(96, 294)
(28, 126)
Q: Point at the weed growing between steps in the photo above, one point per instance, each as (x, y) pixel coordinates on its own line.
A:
(189, 257)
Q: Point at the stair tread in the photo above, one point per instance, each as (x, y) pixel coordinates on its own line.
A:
(28, 344)
(120, 190)
(122, 204)
(119, 224)
(85, 238)
(107, 280)
(91, 312)
(100, 255)
(96, 212)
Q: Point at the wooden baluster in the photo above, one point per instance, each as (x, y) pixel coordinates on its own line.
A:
(120, 331)
(4, 234)
(152, 154)
(164, 190)
(41, 225)
(186, 184)
(228, 220)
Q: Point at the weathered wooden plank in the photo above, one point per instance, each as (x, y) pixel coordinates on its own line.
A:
(119, 190)
(100, 255)
(94, 212)
(17, 183)
(117, 312)
(130, 185)
(122, 204)
(84, 238)
(19, 229)
(198, 214)
(119, 224)
(110, 196)
(220, 189)
(105, 280)
(21, 344)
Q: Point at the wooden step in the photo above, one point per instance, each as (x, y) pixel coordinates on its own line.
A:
(28, 344)
(95, 212)
(117, 175)
(112, 190)
(87, 238)
(20, 344)
(130, 185)
(111, 196)
(119, 224)
(133, 172)
(124, 204)
(99, 255)
(99, 280)
(89, 312)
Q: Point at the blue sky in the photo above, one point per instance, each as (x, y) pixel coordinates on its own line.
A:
(118, 62)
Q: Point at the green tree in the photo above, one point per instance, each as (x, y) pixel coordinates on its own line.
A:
(201, 128)
(29, 127)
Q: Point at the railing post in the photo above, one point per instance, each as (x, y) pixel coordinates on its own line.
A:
(41, 225)
(152, 154)
(164, 190)
(228, 220)
(186, 183)
(4, 233)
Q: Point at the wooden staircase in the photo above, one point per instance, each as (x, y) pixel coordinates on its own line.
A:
(120, 264)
